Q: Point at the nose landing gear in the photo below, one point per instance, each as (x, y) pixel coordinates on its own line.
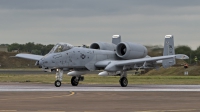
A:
(59, 74)
(57, 83)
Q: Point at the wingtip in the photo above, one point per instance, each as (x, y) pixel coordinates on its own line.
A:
(181, 56)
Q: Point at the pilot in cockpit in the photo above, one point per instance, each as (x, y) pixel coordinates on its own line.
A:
(60, 47)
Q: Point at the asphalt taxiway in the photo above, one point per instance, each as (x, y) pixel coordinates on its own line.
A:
(97, 98)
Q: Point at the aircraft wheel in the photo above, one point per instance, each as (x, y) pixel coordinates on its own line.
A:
(57, 83)
(123, 81)
(74, 81)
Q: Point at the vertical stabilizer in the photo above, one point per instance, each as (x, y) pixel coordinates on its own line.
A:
(168, 50)
(116, 39)
(169, 45)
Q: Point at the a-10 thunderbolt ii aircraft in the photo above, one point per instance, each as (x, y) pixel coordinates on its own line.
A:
(114, 58)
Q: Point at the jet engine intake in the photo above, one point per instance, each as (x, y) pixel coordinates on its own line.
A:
(103, 46)
(127, 50)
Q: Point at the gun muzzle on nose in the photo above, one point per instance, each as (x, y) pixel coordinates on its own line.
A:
(40, 64)
(37, 63)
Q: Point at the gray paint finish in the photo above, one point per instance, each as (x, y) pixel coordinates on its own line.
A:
(79, 60)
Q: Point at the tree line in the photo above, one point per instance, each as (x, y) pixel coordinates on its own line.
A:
(41, 49)
(30, 47)
(184, 49)
(181, 49)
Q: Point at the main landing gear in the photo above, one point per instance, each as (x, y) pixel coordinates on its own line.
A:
(59, 74)
(75, 80)
(123, 79)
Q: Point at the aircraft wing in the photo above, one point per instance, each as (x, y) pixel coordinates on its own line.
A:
(150, 59)
(29, 56)
(112, 65)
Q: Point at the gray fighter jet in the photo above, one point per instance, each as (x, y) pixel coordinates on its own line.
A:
(114, 58)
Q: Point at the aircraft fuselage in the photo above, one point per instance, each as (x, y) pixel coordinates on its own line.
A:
(77, 57)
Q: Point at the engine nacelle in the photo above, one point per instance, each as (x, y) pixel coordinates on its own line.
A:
(103, 46)
(127, 50)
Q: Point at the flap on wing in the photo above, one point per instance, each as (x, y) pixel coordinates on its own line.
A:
(103, 63)
(114, 65)
(28, 56)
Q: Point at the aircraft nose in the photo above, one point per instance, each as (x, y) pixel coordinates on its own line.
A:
(41, 62)
(44, 61)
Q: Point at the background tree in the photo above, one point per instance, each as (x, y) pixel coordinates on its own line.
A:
(184, 49)
(15, 46)
(41, 49)
(31, 47)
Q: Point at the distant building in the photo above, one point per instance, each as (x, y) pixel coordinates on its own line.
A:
(3, 48)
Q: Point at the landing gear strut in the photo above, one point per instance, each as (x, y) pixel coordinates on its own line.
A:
(59, 74)
(75, 80)
(123, 79)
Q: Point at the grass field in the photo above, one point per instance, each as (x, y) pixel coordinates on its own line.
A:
(95, 79)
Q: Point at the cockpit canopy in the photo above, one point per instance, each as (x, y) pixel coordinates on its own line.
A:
(60, 47)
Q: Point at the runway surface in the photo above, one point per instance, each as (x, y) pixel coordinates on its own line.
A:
(24, 97)
(95, 87)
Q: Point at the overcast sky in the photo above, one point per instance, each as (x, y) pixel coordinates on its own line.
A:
(86, 21)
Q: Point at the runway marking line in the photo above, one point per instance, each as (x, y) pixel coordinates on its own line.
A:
(30, 111)
(179, 110)
(71, 93)
(49, 111)
(8, 110)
